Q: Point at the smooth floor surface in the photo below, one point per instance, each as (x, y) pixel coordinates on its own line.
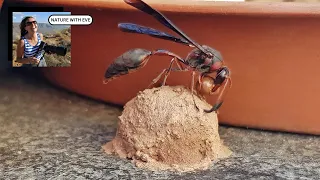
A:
(48, 133)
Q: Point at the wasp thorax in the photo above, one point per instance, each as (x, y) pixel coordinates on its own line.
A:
(204, 61)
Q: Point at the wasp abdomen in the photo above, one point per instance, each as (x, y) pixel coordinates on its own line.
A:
(127, 62)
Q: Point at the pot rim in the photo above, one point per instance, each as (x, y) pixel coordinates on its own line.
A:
(273, 9)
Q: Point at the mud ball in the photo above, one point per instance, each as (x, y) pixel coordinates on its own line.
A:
(160, 129)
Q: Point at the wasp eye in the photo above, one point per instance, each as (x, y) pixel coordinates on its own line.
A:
(221, 75)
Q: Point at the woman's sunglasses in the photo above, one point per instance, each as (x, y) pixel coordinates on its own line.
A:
(30, 23)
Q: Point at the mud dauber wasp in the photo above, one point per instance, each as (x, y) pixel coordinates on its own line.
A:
(202, 59)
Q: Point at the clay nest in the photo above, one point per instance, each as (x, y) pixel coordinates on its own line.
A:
(160, 129)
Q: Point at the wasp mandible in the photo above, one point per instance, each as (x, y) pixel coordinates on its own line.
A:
(202, 58)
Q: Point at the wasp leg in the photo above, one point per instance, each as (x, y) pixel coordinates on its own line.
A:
(169, 69)
(167, 72)
(155, 80)
(178, 64)
(192, 89)
(163, 71)
(200, 78)
(199, 87)
(159, 76)
(168, 53)
(179, 61)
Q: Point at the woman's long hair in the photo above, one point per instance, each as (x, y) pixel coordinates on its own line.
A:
(23, 25)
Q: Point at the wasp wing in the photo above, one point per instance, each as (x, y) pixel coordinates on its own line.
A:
(135, 28)
(142, 6)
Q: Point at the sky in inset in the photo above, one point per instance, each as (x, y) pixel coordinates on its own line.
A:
(41, 17)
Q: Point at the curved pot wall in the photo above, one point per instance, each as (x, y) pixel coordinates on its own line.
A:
(271, 49)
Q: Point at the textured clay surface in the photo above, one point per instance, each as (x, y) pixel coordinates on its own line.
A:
(162, 129)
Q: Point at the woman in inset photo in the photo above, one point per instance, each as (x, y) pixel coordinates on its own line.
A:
(29, 43)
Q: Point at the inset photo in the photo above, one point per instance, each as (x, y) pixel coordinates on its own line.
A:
(37, 43)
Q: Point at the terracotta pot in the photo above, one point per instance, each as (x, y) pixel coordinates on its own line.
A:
(271, 49)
